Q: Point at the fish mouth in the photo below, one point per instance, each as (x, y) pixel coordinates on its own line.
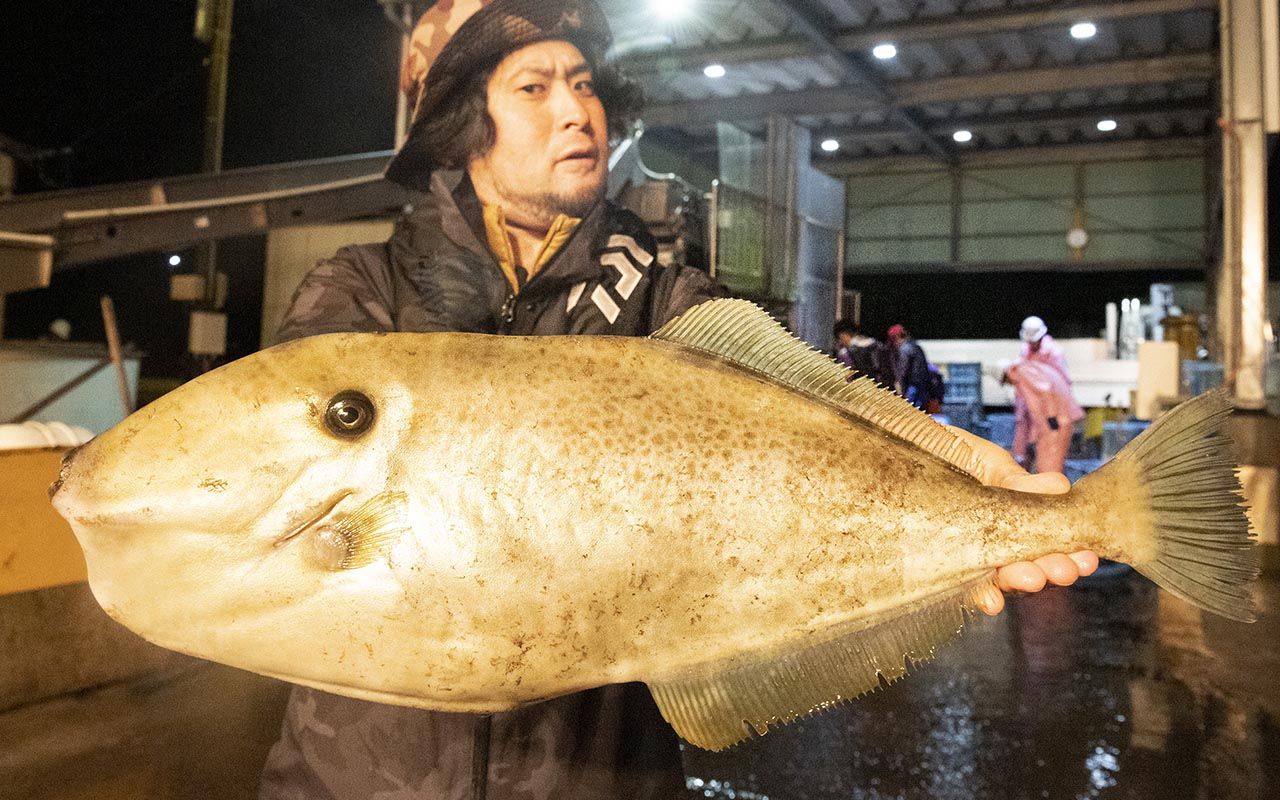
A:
(63, 470)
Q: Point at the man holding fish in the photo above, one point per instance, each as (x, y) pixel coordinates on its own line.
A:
(432, 531)
(510, 143)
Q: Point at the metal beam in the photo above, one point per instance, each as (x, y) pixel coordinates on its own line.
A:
(1241, 290)
(83, 237)
(970, 267)
(88, 236)
(806, 20)
(1074, 117)
(26, 262)
(1131, 150)
(43, 211)
(693, 114)
(927, 29)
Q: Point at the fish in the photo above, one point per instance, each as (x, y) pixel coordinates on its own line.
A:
(475, 523)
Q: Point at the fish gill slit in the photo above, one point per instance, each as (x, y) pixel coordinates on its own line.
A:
(312, 521)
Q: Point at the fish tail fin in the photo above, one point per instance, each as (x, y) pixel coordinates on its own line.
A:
(1194, 539)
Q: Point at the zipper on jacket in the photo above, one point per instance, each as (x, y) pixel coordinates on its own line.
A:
(508, 312)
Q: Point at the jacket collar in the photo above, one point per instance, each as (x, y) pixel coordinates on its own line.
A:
(452, 214)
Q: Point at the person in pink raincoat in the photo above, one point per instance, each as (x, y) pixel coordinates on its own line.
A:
(1046, 413)
(1038, 345)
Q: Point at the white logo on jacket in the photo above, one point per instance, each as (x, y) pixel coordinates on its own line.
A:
(625, 255)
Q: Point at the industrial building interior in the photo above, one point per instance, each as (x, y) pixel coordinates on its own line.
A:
(951, 166)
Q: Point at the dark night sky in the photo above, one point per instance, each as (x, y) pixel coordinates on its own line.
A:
(122, 84)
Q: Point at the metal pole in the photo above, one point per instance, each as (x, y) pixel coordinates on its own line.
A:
(404, 103)
(1242, 285)
(113, 348)
(713, 228)
(215, 113)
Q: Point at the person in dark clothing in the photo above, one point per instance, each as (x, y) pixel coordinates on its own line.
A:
(509, 234)
(910, 367)
(861, 353)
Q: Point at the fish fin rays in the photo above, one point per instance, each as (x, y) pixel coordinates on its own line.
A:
(1205, 552)
(372, 528)
(718, 705)
(744, 334)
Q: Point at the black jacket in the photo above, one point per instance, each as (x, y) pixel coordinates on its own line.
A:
(435, 274)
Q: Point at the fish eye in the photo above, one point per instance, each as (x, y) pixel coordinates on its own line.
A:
(349, 414)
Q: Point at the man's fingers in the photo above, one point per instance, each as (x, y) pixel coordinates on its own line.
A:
(990, 601)
(1086, 562)
(1040, 483)
(1058, 569)
(1022, 576)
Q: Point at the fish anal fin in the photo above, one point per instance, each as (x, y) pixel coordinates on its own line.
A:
(718, 705)
(744, 334)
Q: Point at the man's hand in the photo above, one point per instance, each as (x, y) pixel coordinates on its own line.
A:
(995, 467)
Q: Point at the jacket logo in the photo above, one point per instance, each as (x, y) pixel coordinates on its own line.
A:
(626, 256)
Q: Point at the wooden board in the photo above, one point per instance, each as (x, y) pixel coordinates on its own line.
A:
(37, 547)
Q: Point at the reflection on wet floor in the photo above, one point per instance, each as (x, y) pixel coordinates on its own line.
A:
(1107, 690)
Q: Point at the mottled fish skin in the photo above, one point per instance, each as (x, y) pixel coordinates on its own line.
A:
(561, 491)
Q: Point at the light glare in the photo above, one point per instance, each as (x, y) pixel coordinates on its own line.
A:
(830, 145)
(670, 9)
(962, 136)
(175, 260)
(1083, 30)
(884, 51)
(713, 71)
(1106, 125)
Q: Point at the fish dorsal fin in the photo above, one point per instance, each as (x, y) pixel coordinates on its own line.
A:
(744, 334)
(717, 705)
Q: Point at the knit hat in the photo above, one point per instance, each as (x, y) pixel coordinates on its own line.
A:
(456, 38)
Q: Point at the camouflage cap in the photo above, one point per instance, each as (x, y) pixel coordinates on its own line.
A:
(455, 38)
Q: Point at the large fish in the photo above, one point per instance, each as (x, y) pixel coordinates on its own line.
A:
(473, 523)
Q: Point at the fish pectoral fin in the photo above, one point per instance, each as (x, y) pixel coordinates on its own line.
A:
(365, 534)
(744, 334)
(717, 705)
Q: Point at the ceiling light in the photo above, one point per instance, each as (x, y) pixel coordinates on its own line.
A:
(713, 71)
(885, 51)
(1106, 125)
(1083, 30)
(962, 136)
(670, 9)
(830, 145)
(175, 260)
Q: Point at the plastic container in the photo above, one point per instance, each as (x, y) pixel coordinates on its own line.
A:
(42, 436)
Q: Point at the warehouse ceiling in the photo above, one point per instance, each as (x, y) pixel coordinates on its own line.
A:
(960, 76)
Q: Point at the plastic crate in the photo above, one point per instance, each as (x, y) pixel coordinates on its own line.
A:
(964, 383)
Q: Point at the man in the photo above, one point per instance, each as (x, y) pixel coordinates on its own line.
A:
(511, 235)
(910, 367)
(860, 352)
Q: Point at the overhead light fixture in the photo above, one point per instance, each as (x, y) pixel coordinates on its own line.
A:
(885, 51)
(830, 145)
(175, 261)
(1083, 30)
(670, 9)
(1107, 125)
(713, 71)
(962, 136)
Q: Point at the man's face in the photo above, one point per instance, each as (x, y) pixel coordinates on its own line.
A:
(844, 338)
(550, 152)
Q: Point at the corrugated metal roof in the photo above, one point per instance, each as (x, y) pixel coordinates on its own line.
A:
(977, 63)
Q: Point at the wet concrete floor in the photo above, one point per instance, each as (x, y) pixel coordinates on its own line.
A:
(1111, 689)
